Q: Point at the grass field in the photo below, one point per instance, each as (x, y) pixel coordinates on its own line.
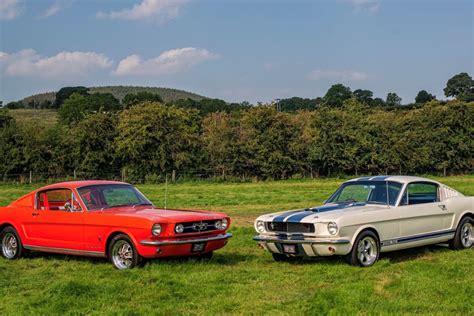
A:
(241, 278)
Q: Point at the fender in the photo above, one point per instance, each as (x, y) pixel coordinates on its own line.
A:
(364, 227)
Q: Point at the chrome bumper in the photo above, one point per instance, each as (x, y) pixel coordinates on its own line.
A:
(300, 241)
(185, 241)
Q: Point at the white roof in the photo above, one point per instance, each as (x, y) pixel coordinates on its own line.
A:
(402, 179)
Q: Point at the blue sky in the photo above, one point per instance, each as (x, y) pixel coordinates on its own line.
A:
(237, 50)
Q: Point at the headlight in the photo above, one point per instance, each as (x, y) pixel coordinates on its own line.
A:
(156, 230)
(332, 228)
(222, 224)
(179, 228)
(260, 226)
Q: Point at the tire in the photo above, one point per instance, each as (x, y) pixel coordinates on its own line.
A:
(464, 237)
(11, 246)
(122, 253)
(278, 257)
(366, 250)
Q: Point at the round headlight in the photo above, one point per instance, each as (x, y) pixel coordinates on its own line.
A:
(225, 223)
(179, 228)
(218, 224)
(156, 230)
(260, 226)
(332, 228)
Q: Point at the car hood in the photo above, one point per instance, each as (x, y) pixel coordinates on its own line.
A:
(172, 216)
(321, 213)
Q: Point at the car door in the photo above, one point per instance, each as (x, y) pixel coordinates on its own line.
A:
(56, 221)
(421, 213)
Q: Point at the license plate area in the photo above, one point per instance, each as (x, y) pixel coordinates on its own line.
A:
(289, 249)
(198, 247)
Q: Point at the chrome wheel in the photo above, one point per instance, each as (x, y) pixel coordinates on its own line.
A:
(367, 251)
(9, 246)
(122, 255)
(467, 239)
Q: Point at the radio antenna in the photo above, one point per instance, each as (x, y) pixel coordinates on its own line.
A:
(166, 191)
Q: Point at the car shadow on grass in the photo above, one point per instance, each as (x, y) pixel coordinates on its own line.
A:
(418, 253)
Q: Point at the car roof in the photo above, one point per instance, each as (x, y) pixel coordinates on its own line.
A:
(78, 184)
(401, 179)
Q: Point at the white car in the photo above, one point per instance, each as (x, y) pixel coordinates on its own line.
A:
(370, 215)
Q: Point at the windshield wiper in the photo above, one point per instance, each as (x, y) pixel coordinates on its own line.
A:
(377, 202)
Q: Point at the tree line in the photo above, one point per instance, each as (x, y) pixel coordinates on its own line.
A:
(147, 139)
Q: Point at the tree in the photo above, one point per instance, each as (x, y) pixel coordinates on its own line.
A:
(102, 102)
(336, 95)
(393, 99)
(15, 105)
(64, 93)
(131, 99)
(74, 108)
(294, 104)
(461, 87)
(378, 102)
(154, 139)
(364, 96)
(423, 96)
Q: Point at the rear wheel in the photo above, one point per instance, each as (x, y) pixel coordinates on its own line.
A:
(464, 237)
(122, 253)
(12, 248)
(365, 251)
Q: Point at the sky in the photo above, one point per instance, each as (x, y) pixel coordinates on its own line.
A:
(236, 50)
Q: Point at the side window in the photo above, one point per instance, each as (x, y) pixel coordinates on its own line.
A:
(420, 193)
(57, 200)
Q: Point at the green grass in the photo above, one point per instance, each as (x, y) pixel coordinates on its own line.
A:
(242, 279)
(47, 118)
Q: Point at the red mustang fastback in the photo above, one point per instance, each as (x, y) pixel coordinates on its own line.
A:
(106, 219)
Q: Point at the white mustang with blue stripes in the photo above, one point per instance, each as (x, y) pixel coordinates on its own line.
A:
(370, 215)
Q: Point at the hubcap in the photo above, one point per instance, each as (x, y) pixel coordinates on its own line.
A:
(9, 246)
(367, 251)
(122, 254)
(467, 239)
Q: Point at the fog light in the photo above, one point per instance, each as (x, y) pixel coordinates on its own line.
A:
(179, 228)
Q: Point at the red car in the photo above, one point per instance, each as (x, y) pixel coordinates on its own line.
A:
(106, 219)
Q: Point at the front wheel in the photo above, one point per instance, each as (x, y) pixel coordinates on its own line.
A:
(365, 251)
(122, 253)
(12, 248)
(464, 237)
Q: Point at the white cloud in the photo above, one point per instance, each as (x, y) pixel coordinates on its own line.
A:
(57, 6)
(344, 75)
(151, 10)
(366, 5)
(9, 9)
(168, 62)
(27, 63)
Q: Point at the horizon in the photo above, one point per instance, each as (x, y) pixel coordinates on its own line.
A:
(238, 50)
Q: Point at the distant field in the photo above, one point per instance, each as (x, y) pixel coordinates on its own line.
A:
(242, 279)
(28, 116)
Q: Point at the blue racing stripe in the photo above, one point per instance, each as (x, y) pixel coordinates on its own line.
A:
(299, 216)
(280, 218)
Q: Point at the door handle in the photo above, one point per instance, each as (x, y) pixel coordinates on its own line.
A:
(442, 207)
(35, 213)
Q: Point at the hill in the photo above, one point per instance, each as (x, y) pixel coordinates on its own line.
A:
(119, 92)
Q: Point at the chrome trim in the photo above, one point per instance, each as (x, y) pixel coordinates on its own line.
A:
(185, 241)
(66, 251)
(301, 241)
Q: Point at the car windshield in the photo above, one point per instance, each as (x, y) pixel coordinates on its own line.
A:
(104, 196)
(372, 192)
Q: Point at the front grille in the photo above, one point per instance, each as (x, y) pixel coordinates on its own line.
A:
(290, 227)
(198, 227)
